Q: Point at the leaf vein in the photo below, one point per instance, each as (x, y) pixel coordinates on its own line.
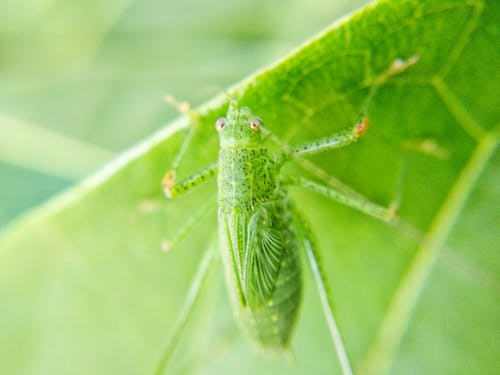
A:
(397, 318)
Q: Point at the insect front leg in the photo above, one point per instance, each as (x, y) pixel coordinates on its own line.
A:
(171, 188)
(338, 140)
(346, 137)
(398, 66)
(324, 292)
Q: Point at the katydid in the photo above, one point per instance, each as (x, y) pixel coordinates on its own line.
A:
(260, 230)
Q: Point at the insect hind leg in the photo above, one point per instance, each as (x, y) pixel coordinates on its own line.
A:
(323, 291)
(193, 295)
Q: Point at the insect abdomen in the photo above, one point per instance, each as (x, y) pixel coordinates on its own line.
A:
(271, 323)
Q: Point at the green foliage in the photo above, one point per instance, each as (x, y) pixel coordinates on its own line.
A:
(85, 288)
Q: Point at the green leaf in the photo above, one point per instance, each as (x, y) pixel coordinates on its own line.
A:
(85, 287)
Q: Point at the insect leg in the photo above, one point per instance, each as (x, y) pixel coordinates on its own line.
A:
(349, 136)
(337, 140)
(193, 294)
(186, 110)
(398, 66)
(355, 201)
(167, 245)
(346, 137)
(172, 189)
(324, 293)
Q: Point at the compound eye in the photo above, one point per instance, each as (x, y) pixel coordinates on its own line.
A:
(219, 124)
(255, 123)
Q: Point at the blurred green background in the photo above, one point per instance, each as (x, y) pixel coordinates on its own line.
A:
(81, 81)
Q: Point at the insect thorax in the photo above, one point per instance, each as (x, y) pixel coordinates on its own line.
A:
(259, 246)
(246, 177)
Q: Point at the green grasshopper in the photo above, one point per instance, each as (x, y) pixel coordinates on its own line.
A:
(261, 232)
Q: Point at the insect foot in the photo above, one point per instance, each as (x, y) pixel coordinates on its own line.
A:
(360, 128)
(399, 65)
(393, 211)
(392, 214)
(168, 183)
(183, 108)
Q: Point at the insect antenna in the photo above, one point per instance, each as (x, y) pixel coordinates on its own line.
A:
(225, 92)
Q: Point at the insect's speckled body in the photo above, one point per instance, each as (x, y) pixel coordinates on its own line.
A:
(254, 209)
(260, 235)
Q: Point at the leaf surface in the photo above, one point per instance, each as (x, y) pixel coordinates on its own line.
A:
(85, 287)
